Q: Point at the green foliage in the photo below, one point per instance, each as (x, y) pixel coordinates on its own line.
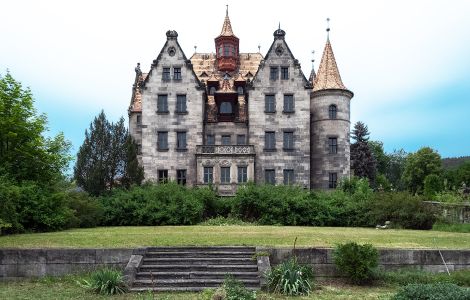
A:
(452, 227)
(436, 291)
(107, 158)
(290, 278)
(419, 165)
(433, 184)
(105, 282)
(458, 176)
(25, 153)
(450, 197)
(87, 211)
(382, 183)
(225, 221)
(382, 159)
(402, 210)
(413, 276)
(396, 167)
(357, 262)
(363, 162)
(234, 290)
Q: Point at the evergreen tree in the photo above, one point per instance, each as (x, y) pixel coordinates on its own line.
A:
(104, 158)
(363, 162)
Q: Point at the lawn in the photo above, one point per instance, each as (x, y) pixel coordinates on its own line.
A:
(68, 288)
(279, 236)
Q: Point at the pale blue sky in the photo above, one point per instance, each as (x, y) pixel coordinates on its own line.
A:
(408, 62)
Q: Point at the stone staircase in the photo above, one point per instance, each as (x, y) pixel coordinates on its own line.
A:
(189, 269)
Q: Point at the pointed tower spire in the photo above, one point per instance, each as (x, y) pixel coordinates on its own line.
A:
(227, 26)
(312, 73)
(328, 74)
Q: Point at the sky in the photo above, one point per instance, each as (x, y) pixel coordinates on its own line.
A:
(407, 62)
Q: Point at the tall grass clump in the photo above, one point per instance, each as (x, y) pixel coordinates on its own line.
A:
(105, 282)
(291, 278)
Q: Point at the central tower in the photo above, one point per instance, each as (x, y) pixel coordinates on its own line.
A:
(226, 46)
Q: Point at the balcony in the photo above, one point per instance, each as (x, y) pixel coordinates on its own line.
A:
(225, 149)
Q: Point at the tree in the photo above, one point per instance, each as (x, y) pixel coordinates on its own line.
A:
(419, 165)
(382, 159)
(107, 157)
(25, 153)
(363, 162)
(396, 167)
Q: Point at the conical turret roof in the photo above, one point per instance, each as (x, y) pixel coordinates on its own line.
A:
(227, 26)
(328, 76)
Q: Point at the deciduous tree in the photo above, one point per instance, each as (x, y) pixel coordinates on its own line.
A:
(418, 165)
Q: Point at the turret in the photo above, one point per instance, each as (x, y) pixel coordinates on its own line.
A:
(227, 47)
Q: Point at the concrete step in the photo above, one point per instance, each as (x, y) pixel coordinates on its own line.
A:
(175, 289)
(202, 249)
(195, 275)
(190, 283)
(199, 254)
(199, 261)
(200, 268)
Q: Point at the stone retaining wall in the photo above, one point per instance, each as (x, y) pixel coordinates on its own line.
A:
(430, 260)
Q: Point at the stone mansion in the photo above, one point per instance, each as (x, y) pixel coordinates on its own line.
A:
(227, 117)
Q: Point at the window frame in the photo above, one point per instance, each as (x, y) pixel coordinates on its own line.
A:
(270, 143)
(289, 146)
(184, 146)
(284, 73)
(289, 100)
(239, 139)
(270, 100)
(332, 145)
(162, 179)
(162, 99)
(181, 104)
(270, 176)
(222, 105)
(208, 175)
(224, 137)
(225, 177)
(332, 180)
(273, 73)
(210, 137)
(181, 176)
(332, 112)
(242, 174)
(159, 139)
(177, 73)
(166, 74)
(289, 177)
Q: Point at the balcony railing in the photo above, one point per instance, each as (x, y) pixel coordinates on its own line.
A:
(225, 149)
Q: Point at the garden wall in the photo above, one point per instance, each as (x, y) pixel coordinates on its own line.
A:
(453, 212)
(430, 260)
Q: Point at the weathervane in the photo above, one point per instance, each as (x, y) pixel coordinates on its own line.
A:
(195, 48)
(259, 48)
(313, 57)
(328, 28)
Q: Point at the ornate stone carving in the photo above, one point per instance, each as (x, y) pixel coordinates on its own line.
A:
(225, 163)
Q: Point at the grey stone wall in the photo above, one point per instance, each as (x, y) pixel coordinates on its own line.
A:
(152, 122)
(321, 259)
(298, 159)
(322, 128)
(16, 263)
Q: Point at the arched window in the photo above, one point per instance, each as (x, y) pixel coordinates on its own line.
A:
(212, 91)
(226, 108)
(240, 90)
(332, 110)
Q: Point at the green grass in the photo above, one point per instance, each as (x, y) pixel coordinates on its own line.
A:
(279, 236)
(67, 288)
(452, 227)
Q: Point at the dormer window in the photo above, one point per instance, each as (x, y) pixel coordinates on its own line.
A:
(240, 90)
(226, 108)
(212, 91)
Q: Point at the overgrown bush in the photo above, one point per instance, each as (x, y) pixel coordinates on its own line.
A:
(291, 278)
(87, 211)
(449, 197)
(105, 282)
(233, 289)
(402, 210)
(357, 262)
(413, 276)
(435, 291)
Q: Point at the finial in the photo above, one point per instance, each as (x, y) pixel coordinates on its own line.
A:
(259, 48)
(279, 26)
(313, 57)
(328, 28)
(195, 48)
(226, 10)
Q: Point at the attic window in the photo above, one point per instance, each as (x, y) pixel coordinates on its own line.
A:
(212, 91)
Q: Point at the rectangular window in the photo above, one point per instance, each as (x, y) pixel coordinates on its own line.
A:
(208, 175)
(210, 139)
(333, 145)
(288, 176)
(226, 50)
(288, 103)
(177, 73)
(180, 103)
(269, 140)
(139, 119)
(241, 139)
(269, 103)
(285, 73)
(162, 176)
(181, 140)
(269, 176)
(162, 104)
(242, 175)
(225, 175)
(274, 73)
(162, 142)
(166, 74)
(181, 177)
(333, 180)
(288, 140)
(226, 140)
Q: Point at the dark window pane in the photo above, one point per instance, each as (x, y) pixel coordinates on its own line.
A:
(177, 73)
(226, 140)
(226, 108)
(288, 176)
(332, 111)
(212, 91)
(240, 90)
(162, 176)
(288, 103)
(242, 175)
(210, 139)
(208, 175)
(181, 103)
(288, 140)
(270, 103)
(162, 103)
(241, 139)
(139, 119)
(162, 143)
(166, 74)
(333, 180)
(270, 140)
(284, 73)
(333, 145)
(225, 174)
(181, 177)
(270, 176)
(226, 50)
(273, 73)
(181, 140)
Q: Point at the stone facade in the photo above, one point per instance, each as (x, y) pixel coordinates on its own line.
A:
(231, 117)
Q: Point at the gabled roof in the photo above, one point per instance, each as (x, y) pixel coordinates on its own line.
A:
(328, 74)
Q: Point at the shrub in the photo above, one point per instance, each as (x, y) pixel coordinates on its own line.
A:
(433, 184)
(452, 227)
(357, 262)
(435, 291)
(105, 282)
(412, 276)
(225, 221)
(87, 211)
(403, 210)
(234, 290)
(290, 278)
(449, 197)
